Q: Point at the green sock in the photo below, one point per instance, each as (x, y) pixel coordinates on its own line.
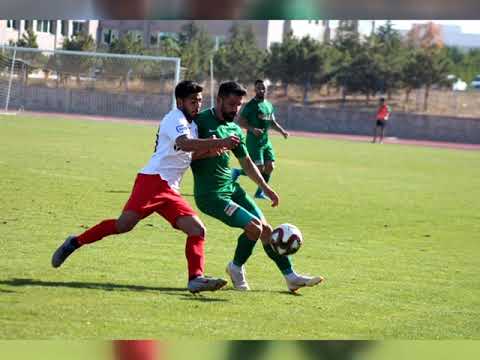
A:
(266, 177)
(244, 250)
(284, 263)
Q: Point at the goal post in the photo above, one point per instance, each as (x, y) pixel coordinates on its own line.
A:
(123, 85)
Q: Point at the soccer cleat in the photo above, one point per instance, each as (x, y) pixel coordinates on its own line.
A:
(238, 277)
(236, 174)
(259, 194)
(64, 251)
(205, 283)
(295, 281)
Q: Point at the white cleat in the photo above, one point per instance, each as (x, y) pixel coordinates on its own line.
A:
(205, 283)
(237, 275)
(295, 281)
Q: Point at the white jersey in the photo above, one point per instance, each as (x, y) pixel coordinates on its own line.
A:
(167, 161)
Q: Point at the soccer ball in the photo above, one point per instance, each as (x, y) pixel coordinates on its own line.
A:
(286, 239)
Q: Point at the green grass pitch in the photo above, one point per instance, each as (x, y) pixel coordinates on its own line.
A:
(394, 229)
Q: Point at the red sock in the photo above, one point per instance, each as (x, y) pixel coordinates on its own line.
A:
(135, 349)
(99, 231)
(195, 253)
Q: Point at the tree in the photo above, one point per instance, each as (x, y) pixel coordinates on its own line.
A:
(124, 69)
(280, 61)
(197, 48)
(31, 60)
(28, 40)
(240, 58)
(310, 64)
(76, 65)
(387, 43)
(426, 67)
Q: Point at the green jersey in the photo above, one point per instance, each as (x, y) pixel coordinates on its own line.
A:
(258, 114)
(212, 176)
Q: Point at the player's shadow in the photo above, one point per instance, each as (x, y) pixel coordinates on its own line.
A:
(103, 286)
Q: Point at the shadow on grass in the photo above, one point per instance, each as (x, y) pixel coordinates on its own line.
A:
(107, 287)
(7, 291)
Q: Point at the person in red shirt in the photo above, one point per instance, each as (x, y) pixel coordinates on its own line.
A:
(136, 350)
(383, 113)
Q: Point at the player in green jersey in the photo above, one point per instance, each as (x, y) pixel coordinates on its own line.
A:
(257, 117)
(217, 195)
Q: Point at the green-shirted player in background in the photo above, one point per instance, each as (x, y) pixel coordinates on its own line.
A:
(217, 195)
(257, 117)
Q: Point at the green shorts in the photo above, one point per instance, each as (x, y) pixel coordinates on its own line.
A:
(260, 154)
(236, 210)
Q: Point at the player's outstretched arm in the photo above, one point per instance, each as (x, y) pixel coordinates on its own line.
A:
(186, 144)
(279, 128)
(253, 173)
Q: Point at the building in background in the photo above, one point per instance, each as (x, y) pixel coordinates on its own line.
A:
(50, 33)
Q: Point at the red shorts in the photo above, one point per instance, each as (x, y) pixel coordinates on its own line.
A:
(151, 193)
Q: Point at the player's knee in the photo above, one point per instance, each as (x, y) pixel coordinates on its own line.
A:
(125, 225)
(266, 233)
(269, 167)
(197, 229)
(266, 230)
(254, 229)
(127, 222)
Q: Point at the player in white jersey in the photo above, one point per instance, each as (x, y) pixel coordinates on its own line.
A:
(156, 188)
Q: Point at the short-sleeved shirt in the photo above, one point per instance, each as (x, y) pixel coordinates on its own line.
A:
(167, 160)
(212, 176)
(258, 114)
(383, 112)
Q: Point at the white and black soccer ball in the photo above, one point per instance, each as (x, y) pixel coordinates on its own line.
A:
(286, 239)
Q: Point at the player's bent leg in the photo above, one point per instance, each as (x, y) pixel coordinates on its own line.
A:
(126, 222)
(266, 235)
(269, 167)
(195, 254)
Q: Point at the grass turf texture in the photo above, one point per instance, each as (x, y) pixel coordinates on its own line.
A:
(393, 228)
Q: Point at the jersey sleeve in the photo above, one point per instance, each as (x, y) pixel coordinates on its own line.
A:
(241, 150)
(176, 126)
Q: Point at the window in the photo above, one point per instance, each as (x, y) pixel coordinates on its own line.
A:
(109, 35)
(78, 27)
(43, 26)
(157, 38)
(52, 26)
(136, 34)
(64, 28)
(28, 24)
(12, 24)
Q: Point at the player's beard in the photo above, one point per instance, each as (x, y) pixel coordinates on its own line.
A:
(229, 116)
(189, 116)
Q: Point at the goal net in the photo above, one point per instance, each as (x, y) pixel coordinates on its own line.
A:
(87, 83)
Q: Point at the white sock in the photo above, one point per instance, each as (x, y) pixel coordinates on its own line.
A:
(292, 276)
(235, 267)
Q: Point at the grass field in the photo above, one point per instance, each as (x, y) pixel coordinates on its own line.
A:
(395, 230)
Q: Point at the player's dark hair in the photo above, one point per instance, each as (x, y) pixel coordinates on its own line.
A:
(186, 88)
(382, 99)
(231, 88)
(258, 81)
